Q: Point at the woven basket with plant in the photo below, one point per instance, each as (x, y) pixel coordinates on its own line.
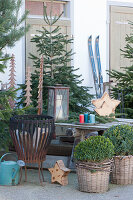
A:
(122, 138)
(93, 161)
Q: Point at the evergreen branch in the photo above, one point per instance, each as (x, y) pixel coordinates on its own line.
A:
(56, 18)
(46, 16)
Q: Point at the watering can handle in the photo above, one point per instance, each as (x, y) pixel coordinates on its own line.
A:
(8, 154)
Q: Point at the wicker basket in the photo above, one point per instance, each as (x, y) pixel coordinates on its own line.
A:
(122, 170)
(93, 177)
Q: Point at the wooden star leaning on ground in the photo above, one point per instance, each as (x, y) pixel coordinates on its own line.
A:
(105, 105)
(59, 173)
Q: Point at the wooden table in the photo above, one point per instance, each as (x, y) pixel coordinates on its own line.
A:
(81, 130)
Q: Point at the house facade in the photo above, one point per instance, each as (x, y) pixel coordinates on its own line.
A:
(82, 18)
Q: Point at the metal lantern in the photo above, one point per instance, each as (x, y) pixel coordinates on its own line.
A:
(58, 102)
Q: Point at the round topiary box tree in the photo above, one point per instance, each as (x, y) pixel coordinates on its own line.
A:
(93, 163)
(122, 138)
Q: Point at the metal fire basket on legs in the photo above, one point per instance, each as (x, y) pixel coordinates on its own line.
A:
(31, 135)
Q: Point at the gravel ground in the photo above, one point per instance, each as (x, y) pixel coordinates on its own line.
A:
(33, 191)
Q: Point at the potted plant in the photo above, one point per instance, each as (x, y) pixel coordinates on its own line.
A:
(122, 139)
(93, 162)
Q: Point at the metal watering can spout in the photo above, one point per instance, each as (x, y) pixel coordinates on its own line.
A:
(20, 163)
(9, 171)
(15, 172)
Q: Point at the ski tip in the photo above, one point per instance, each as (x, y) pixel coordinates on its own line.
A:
(90, 37)
(97, 38)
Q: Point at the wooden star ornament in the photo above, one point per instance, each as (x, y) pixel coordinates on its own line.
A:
(59, 173)
(105, 105)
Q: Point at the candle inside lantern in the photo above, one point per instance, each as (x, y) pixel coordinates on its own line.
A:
(86, 117)
(81, 118)
(59, 108)
(92, 118)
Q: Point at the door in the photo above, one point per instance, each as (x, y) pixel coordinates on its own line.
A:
(119, 27)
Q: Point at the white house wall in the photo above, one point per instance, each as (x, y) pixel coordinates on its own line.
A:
(89, 18)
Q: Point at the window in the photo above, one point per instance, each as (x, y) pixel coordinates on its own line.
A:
(35, 7)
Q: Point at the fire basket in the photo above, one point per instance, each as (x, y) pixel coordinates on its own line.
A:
(31, 135)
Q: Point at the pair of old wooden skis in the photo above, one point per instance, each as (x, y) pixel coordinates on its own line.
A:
(98, 79)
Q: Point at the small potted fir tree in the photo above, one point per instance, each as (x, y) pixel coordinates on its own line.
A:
(93, 162)
(122, 138)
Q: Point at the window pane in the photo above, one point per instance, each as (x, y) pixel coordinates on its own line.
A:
(36, 7)
(57, 8)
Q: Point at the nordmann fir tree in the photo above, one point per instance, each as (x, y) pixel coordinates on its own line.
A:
(54, 45)
(11, 25)
(11, 30)
(124, 79)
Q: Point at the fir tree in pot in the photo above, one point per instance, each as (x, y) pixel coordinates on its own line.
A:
(56, 50)
(122, 138)
(93, 163)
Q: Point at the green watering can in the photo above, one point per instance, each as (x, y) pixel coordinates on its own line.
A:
(9, 171)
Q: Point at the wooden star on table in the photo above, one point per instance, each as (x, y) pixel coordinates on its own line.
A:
(105, 105)
(59, 173)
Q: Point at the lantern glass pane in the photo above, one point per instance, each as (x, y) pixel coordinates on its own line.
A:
(51, 103)
(61, 104)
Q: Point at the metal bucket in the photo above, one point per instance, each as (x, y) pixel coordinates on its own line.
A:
(9, 171)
